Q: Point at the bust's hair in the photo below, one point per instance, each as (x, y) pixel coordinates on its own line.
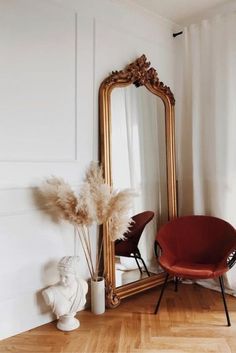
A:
(69, 264)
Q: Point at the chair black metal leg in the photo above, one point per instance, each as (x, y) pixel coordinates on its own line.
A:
(138, 255)
(176, 283)
(145, 266)
(155, 248)
(140, 270)
(162, 291)
(224, 300)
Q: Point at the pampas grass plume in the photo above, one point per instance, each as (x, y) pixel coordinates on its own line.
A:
(96, 202)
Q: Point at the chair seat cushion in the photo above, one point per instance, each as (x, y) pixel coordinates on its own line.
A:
(193, 270)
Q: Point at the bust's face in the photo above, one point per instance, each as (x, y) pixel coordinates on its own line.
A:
(67, 279)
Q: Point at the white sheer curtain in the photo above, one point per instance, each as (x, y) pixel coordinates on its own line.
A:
(206, 122)
(145, 119)
(138, 157)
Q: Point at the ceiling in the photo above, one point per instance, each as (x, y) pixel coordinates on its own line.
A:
(182, 11)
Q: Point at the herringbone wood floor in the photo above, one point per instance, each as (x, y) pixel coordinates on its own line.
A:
(192, 320)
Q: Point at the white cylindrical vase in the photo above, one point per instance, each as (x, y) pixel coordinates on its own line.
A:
(98, 296)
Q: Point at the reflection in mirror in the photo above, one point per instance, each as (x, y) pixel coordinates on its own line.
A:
(138, 149)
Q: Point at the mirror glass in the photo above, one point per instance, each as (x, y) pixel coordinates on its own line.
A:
(138, 161)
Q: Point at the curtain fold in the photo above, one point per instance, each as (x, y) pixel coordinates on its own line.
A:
(206, 131)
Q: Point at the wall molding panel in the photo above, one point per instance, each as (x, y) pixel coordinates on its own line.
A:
(37, 92)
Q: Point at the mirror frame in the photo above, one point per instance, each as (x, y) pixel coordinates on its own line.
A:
(138, 73)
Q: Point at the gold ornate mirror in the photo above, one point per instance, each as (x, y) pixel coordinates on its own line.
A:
(137, 150)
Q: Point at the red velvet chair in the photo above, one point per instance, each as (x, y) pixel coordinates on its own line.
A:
(129, 246)
(197, 247)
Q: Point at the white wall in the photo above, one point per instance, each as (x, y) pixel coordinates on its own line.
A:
(53, 56)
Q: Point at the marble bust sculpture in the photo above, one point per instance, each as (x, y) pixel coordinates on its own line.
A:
(68, 295)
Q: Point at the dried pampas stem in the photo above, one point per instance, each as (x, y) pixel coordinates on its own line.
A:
(98, 258)
(88, 246)
(86, 229)
(85, 253)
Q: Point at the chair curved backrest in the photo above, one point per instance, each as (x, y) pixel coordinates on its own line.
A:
(197, 239)
(129, 245)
